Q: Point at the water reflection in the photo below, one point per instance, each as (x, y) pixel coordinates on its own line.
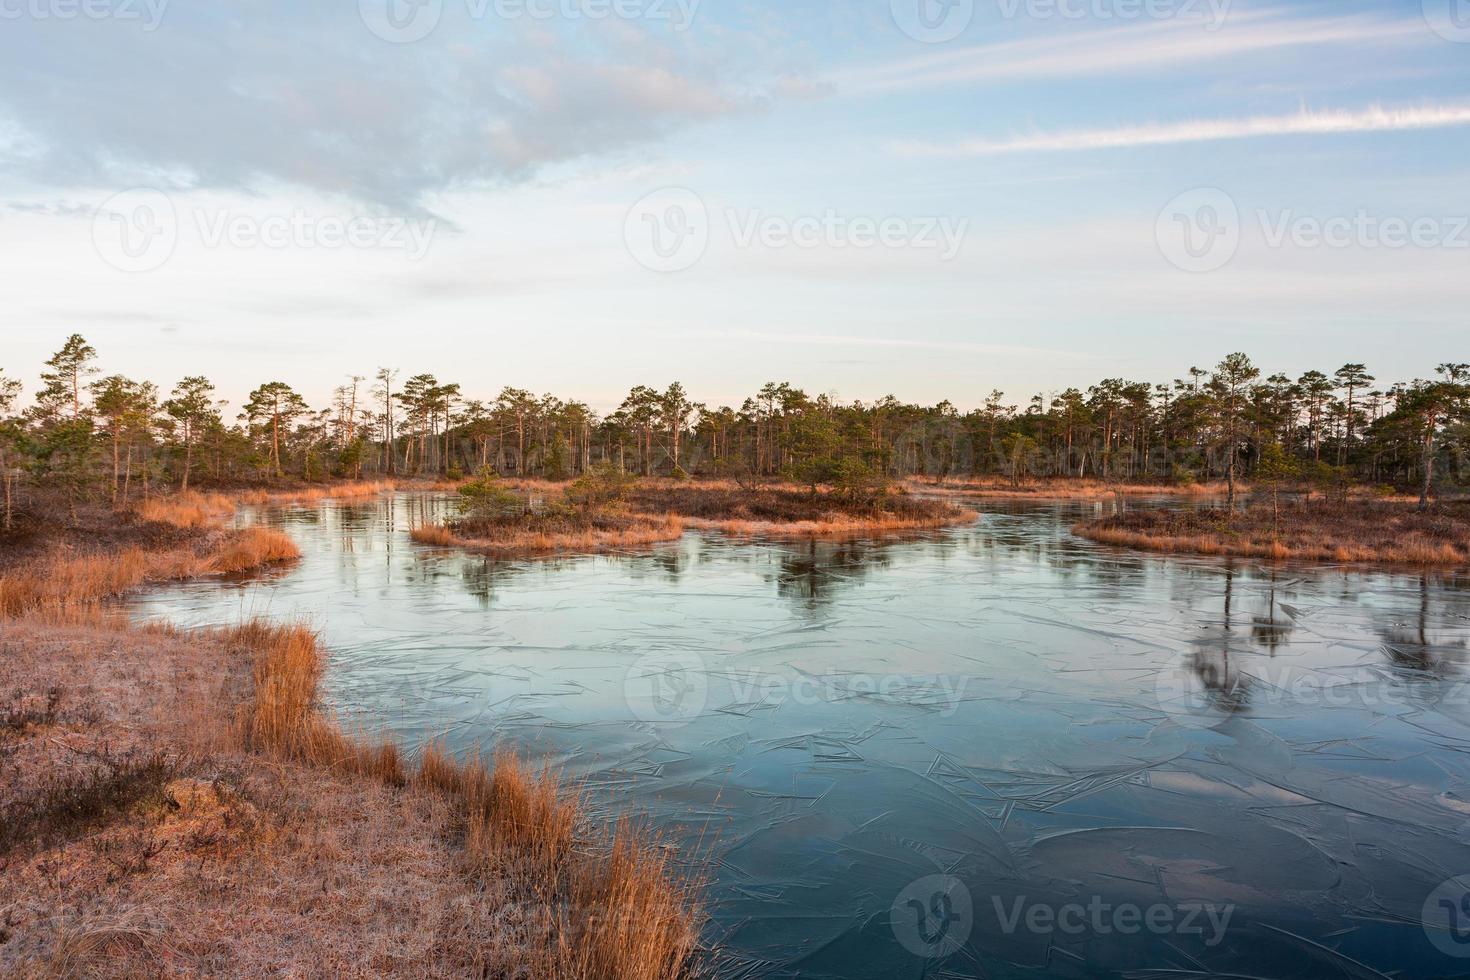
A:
(1005, 706)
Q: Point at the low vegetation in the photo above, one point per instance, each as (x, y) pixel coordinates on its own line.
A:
(590, 515)
(1065, 489)
(179, 798)
(1344, 530)
(608, 510)
(784, 511)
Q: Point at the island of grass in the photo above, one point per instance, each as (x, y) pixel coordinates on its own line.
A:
(1350, 530)
(608, 510)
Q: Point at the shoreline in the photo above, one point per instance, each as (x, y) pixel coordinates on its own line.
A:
(1358, 532)
(187, 780)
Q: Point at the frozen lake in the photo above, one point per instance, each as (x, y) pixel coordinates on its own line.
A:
(996, 750)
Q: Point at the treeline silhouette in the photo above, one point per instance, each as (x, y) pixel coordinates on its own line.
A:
(92, 434)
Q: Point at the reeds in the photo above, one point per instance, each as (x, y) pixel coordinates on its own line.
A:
(252, 548)
(436, 535)
(189, 509)
(621, 908)
(69, 585)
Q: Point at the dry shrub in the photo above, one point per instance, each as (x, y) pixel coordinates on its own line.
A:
(436, 535)
(253, 548)
(189, 509)
(67, 801)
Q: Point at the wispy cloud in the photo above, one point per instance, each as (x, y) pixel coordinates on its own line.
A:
(1374, 119)
(1133, 49)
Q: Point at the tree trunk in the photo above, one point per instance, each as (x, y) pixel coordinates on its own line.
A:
(1428, 484)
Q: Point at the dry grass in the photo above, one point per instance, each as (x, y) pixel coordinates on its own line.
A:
(531, 537)
(73, 584)
(1355, 531)
(252, 548)
(621, 911)
(274, 844)
(1067, 489)
(189, 509)
(195, 808)
(437, 535)
(835, 526)
(360, 490)
(790, 512)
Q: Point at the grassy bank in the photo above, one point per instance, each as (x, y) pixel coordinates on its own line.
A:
(793, 512)
(1061, 488)
(551, 534)
(1351, 531)
(614, 512)
(177, 802)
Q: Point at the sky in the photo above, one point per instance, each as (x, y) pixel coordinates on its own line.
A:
(925, 198)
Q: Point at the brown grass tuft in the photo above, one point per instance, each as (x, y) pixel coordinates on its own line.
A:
(623, 911)
(1354, 531)
(433, 534)
(253, 548)
(513, 538)
(188, 509)
(70, 587)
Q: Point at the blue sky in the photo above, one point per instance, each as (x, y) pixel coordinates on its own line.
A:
(1034, 172)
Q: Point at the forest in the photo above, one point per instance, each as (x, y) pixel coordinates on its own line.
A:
(94, 435)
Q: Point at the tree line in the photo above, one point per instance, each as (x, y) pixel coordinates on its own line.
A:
(93, 435)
